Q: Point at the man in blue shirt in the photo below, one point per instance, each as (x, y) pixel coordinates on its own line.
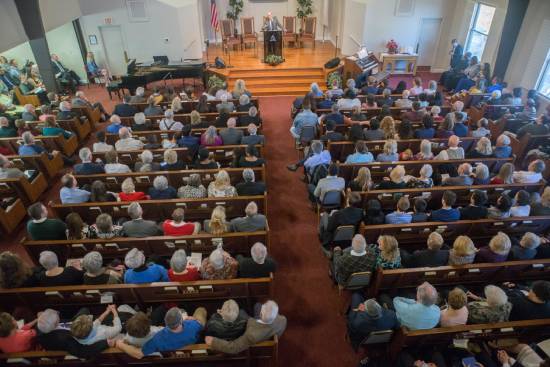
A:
(29, 147)
(189, 141)
(330, 183)
(447, 213)
(460, 129)
(115, 125)
(427, 132)
(503, 149)
(179, 332)
(87, 167)
(304, 118)
(70, 193)
(335, 115)
(421, 313)
(400, 216)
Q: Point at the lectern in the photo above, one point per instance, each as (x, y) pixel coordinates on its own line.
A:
(273, 43)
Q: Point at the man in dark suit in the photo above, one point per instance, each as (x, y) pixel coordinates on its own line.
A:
(231, 135)
(330, 134)
(272, 23)
(259, 265)
(456, 53)
(352, 215)
(250, 187)
(432, 256)
(252, 138)
(87, 167)
(63, 74)
(66, 112)
(477, 208)
(125, 109)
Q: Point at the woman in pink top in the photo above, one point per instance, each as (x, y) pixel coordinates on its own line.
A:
(211, 137)
(45, 111)
(13, 339)
(456, 312)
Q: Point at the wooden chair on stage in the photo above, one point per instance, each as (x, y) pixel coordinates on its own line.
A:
(307, 32)
(229, 38)
(289, 30)
(249, 35)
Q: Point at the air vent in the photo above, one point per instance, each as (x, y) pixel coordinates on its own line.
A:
(404, 8)
(137, 10)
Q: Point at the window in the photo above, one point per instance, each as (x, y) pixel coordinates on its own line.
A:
(479, 29)
(543, 84)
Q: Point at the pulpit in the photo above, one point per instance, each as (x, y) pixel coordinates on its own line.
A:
(273, 43)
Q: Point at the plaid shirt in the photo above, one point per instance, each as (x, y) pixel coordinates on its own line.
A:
(346, 264)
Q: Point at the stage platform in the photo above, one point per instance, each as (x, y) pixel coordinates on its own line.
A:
(302, 66)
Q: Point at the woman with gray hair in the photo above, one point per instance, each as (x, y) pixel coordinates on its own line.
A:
(425, 151)
(483, 149)
(96, 273)
(146, 164)
(244, 103)
(228, 323)
(181, 270)
(140, 272)
(194, 189)
(481, 174)
(104, 228)
(141, 123)
(53, 275)
(493, 308)
(219, 265)
(503, 148)
(424, 180)
(161, 189)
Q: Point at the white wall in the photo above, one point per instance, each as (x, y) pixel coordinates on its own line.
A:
(353, 24)
(11, 29)
(56, 13)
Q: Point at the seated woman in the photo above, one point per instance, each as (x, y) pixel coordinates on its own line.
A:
(96, 273)
(14, 273)
(503, 148)
(171, 162)
(244, 103)
(88, 331)
(425, 153)
(481, 174)
(491, 309)
(387, 124)
(240, 89)
(527, 248)
(363, 181)
(139, 330)
(497, 250)
(361, 155)
(395, 181)
(45, 112)
(482, 129)
(112, 165)
(140, 272)
(463, 251)
(221, 186)
(521, 207)
(204, 161)
(217, 224)
(104, 228)
(228, 323)
(194, 189)
(202, 105)
(456, 312)
(14, 339)
(424, 180)
(427, 131)
(390, 152)
(251, 158)
(210, 137)
(146, 164)
(501, 209)
(161, 189)
(99, 193)
(129, 192)
(374, 213)
(181, 270)
(405, 130)
(152, 109)
(54, 275)
(176, 105)
(76, 228)
(505, 175)
(219, 265)
(388, 256)
(483, 149)
(177, 226)
(141, 123)
(52, 129)
(446, 128)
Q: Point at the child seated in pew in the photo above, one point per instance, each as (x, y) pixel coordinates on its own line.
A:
(15, 339)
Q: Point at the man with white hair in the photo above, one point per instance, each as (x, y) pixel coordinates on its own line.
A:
(250, 187)
(139, 97)
(126, 142)
(225, 105)
(404, 101)
(533, 173)
(219, 265)
(29, 113)
(231, 135)
(503, 148)
(70, 193)
(354, 259)
(421, 313)
(464, 177)
(137, 226)
(80, 100)
(29, 147)
(52, 336)
(7, 170)
(168, 123)
(125, 109)
(268, 324)
(259, 265)
(115, 125)
(251, 118)
(252, 138)
(223, 92)
(87, 167)
(432, 256)
(139, 271)
(304, 118)
(252, 222)
(228, 323)
(66, 111)
(6, 131)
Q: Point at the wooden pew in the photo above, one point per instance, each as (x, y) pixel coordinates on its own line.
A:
(144, 180)
(79, 128)
(433, 195)
(195, 209)
(189, 106)
(12, 215)
(381, 169)
(93, 115)
(195, 354)
(66, 146)
(164, 246)
(492, 112)
(527, 331)
(526, 143)
(28, 190)
(183, 118)
(480, 230)
(49, 167)
(470, 274)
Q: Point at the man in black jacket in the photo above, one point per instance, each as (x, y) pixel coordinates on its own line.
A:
(228, 323)
(51, 337)
(259, 265)
(330, 134)
(477, 208)
(352, 215)
(456, 53)
(250, 187)
(432, 256)
(125, 109)
(64, 75)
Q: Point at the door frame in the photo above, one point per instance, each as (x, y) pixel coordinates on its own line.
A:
(421, 20)
(104, 49)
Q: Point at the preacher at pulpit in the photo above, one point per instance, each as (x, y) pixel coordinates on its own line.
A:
(271, 23)
(273, 38)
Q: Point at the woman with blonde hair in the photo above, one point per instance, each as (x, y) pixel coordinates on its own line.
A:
(129, 192)
(176, 105)
(240, 89)
(217, 224)
(446, 128)
(395, 181)
(417, 87)
(221, 186)
(483, 149)
(463, 251)
(388, 127)
(497, 251)
(505, 175)
(390, 152)
(363, 181)
(210, 137)
(388, 256)
(171, 162)
(425, 153)
(195, 117)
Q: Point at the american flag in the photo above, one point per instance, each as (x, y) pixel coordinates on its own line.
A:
(213, 15)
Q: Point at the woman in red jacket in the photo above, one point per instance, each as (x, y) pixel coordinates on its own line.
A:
(129, 192)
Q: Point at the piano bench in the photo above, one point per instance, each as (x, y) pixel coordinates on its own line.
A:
(114, 87)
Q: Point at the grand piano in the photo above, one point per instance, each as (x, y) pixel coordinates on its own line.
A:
(144, 73)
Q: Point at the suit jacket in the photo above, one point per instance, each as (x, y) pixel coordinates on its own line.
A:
(457, 56)
(255, 332)
(250, 188)
(458, 181)
(429, 257)
(332, 136)
(231, 136)
(273, 25)
(252, 139)
(66, 115)
(56, 69)
(248, 268)
(141, 228)
(125, 110)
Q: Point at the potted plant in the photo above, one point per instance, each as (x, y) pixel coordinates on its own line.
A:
(392, 46)
(273, 60)
(334, 79)
(305, 9)
(214, 81)
(235, 8)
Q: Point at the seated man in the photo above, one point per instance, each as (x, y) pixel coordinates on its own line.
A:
(258, 265)
(315, 156)
(250, 186)
(168, 123)
(87, 167)
(70, 193)
(231, 135)
(476, 209)
(64, 75)
(188, 140)
(126, 142)
(400, 215)
(330, 183)
(139, 97)
(251, 223)
(334, 115)
(252, 138)
(41, 228)
(356, 258)
(228, 323)
(125, 109)
(447, 213)
(533, 173)
(302, 119)
(268, 324)
(352, 214)
(464, 177)
(66, 112)
(115, 125)
(80, 100)
(7, 170)
(137, 226)
(366, 316)
(460, 129)
(404, 101)
(432, 256)
(421, 313)
(532, 303)
(330, 134)
(538, 127)
(179, 332)
(225, 106)
(6, 131)
(29, 113)
(29, 146)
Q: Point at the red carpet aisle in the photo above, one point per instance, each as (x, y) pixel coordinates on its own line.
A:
(315, 335)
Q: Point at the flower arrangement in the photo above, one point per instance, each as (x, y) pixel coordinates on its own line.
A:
(215, 81)
(392, 46)
(273, 60)
(334, 78)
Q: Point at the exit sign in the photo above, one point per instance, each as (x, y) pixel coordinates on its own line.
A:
(108, 20)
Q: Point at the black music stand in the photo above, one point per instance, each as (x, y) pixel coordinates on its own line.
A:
(273, 43)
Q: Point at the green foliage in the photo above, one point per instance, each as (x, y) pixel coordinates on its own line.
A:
(215, 81)
(304, 8)
(273, 59)
(334, 76)
(235, 8)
